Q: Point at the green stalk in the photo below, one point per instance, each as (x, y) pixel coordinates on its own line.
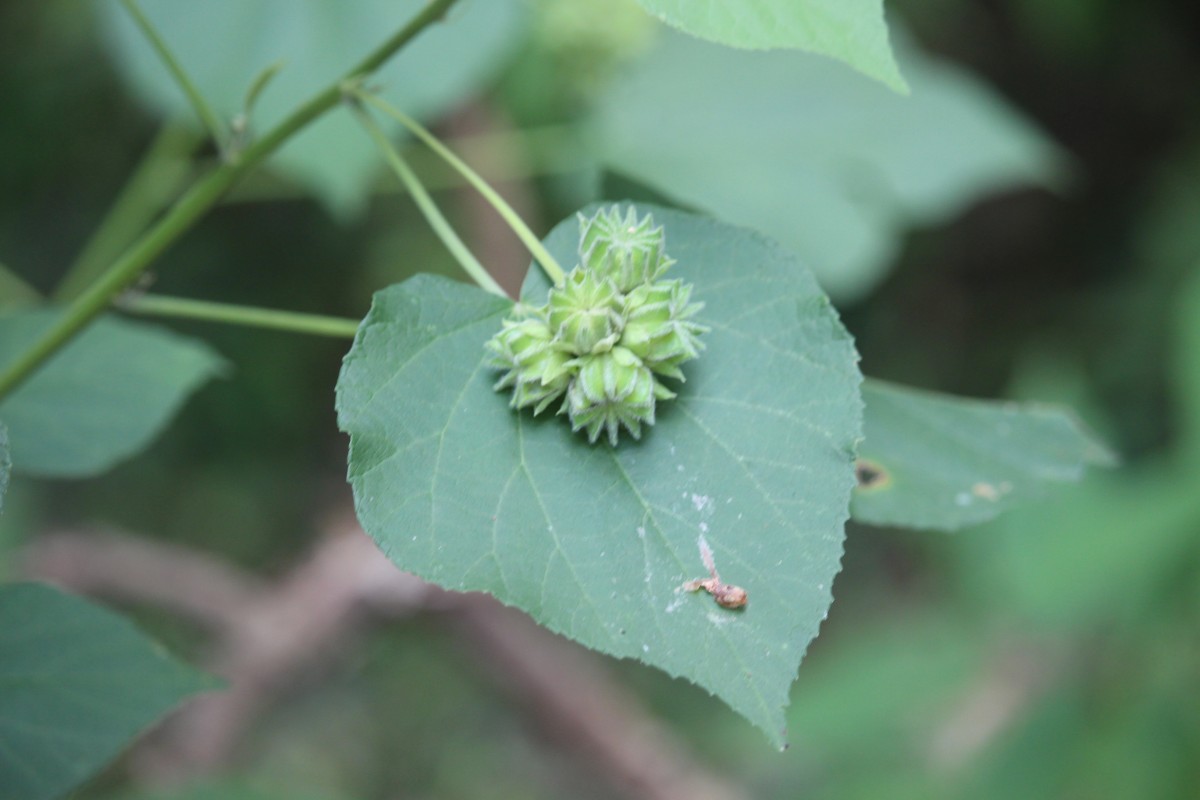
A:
(549, 264)
(203, 310)
(549, 149)
(193, 205)
(158, 176)
(433, 215)
(203, 110)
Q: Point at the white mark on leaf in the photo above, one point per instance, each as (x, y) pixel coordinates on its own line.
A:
(706, 554)
(987, 491)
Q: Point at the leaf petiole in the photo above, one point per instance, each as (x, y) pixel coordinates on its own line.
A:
(251, 316)
(202, 196)
(548, 263)
(200, 105)
(428, 207)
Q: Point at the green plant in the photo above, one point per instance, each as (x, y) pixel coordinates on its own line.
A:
(752, 468)
(608, 330)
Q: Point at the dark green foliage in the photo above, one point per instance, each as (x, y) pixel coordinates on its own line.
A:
(78, 683)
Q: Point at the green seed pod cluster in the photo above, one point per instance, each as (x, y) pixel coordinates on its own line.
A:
(607, 334)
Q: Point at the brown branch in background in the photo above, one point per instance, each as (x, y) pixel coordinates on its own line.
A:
(574, 699)
(264, 634)
(1001, 696)
(185, 582)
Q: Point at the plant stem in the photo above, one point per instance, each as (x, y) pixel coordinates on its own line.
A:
(549, 264)
(198, 200)
(433, 215)
(551, 150)
(159, 175)
(203, 110)
(184, 308)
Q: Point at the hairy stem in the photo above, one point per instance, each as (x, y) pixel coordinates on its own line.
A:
(432, 213)
(548, 263)
(196, 202)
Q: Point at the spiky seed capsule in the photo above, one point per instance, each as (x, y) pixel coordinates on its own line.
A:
(611, 391)
(604, 334)
(585, 312)
(536, 367)
(657, 327)
(629, 251)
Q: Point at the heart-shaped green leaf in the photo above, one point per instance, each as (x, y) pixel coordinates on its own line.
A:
(852, 31)
(753, 458)
(936, 461)
(78, 683)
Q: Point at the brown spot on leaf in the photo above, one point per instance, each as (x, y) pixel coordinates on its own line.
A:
(870, 474)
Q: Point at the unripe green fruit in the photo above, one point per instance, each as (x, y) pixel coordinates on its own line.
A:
(585, 312)
(537, 367)
(605, 334)
(611, 391)
(657, 329)
(629, 251)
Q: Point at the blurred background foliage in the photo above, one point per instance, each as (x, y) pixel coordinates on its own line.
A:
(1053, 653)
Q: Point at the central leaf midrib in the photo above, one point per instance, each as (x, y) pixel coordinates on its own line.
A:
(524, 466)
(648, 509)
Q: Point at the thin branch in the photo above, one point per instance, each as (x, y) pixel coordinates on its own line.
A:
(185, 582)
(548, 262)
(195, 203)
(433, 215)
(1002, 694)
(251, 316)
(572, 696)
(199, 104)
(267, 633)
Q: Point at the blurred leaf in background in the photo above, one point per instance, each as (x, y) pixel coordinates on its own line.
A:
(225, 45)
(79, 683)
(102, 398)
(830, 165)
(944, 462)
(852, 31)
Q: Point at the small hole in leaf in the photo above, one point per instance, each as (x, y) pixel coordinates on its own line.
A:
(870, 475)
